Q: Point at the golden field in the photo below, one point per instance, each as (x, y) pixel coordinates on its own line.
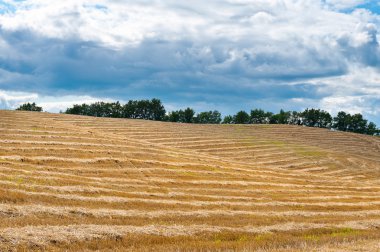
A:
(74, 183)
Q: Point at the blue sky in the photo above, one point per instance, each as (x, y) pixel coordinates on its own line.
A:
(226, 54)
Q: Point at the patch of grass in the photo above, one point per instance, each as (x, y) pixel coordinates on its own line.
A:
(310, 153)
(35, 128)
(263, 237)
(189, 174)
(15, 179)
(312, 237)
(344, 232)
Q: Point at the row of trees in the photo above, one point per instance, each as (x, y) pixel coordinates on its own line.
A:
(188, 116)
(310, 118)
(154, 110)
(142, 109)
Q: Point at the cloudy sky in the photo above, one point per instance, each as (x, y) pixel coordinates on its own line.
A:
(225, 54)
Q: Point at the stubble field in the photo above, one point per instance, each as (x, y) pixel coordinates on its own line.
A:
(82, 183)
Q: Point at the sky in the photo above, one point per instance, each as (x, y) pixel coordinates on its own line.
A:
(227, 55)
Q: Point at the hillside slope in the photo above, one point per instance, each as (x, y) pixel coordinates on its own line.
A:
(77, 183)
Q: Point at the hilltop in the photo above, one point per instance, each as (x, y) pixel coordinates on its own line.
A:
(83, 183)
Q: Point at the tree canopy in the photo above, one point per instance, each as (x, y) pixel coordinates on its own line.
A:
(30, 107)
(242, 117)
(208, 117)
(309, 117)
(142, 109)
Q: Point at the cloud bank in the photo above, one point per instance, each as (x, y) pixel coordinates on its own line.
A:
(225, 54)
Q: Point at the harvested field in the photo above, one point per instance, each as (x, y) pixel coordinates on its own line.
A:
(83, 183)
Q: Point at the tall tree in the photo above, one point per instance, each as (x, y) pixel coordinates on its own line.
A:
(157, 110)
(358, 124)
(259, 116)
(316, 118)
(242, 117)
(210, 117)
(342, 121)
(371, 129)
(188, 115)
(228, 119)
(295, 118)
(280, 118)
(174, 116)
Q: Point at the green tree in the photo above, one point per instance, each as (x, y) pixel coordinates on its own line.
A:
(139, 109)
(116, 110)
(316, 118)
(228, 119)
(342, 121)
(30, 107)
(210, 117)
(157, 110)
(174, 116)
(358, 124)
(129, 109)
(280, 118)
(242, 117)
(371, 129)
(259, 116)
(324, 119)
(295, 118)
(188, 115)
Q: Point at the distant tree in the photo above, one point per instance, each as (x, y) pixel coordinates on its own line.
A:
(142, 109)
(280, 118)
(259, 116)
(228, 119)
(75, 110)
(30, 107)
(129, 109)
(174, 116)
(342, 121)
(310, 117)
(209, 117)
(188, 115)
(325, 119)
(316, 118)
(242, 117)
(116, 110)
(358, 124)
(295, 118)
(371, 129)
(157, 110)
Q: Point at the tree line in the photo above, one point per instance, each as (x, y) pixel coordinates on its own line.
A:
(309, 117)
(155, 110)
(139, 109)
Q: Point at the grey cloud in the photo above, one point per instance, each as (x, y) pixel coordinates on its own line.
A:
(207, 53)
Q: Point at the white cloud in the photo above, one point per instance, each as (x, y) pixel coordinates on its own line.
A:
(344, 4)
(12, 100)
(9, 99)
(350, 104)
(128, 23)
(356, 92)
